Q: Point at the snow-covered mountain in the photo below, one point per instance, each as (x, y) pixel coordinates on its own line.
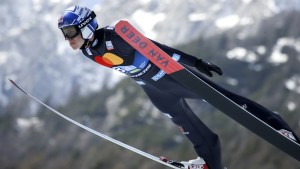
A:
(179, 21)
(34, 53)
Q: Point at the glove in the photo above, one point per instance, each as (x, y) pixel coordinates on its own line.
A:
(207, 68)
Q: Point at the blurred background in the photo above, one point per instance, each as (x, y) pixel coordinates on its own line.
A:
(256, 43)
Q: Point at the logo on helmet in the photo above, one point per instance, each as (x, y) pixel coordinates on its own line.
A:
(84, 23)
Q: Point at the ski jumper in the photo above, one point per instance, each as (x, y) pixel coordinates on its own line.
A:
(110, 50)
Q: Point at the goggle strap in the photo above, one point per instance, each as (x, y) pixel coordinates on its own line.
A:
(87, 20)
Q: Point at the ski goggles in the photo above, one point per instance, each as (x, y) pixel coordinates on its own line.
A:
(70, 32)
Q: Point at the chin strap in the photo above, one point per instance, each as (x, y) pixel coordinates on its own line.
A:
(86, 44)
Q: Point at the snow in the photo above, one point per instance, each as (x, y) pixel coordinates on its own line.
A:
(50, 19)
(3, 58)
(37, 5)
(261, 50)
(144, 2)
(227, 22)
(148, 20)
(240, 53)
(273, 6)
(293, 84)
(92, 4)
(195, 17)
(246, 21)
(25, 123)
(29, 13)
(15, 31)
(231, 21)
(277, 57)
(291, 106)
(216, 7)
(237, 52)
(65, 2)
(247, 1)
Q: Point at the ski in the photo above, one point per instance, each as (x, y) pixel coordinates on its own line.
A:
(128, 147)
(211, 95)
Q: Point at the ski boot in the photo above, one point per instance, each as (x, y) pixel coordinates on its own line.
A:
(197, 163)
(288, 134)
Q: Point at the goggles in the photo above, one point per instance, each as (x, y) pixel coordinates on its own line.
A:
(72, 31)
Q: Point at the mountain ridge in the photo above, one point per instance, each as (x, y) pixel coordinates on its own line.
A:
(34, 52)
(125, 113)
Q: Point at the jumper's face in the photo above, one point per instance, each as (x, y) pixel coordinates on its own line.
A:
(76, 42)
(73, 35)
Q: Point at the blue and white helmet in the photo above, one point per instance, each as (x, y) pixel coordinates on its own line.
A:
(76, 20)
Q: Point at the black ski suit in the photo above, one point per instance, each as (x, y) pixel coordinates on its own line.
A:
(166, 94)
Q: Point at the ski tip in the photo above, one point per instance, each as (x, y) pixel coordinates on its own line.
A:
(11, 81)
(120, 23)
(123, 21)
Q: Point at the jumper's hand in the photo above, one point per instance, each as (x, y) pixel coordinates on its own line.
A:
(207, 68)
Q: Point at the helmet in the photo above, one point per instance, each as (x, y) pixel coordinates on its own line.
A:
(76, 20)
